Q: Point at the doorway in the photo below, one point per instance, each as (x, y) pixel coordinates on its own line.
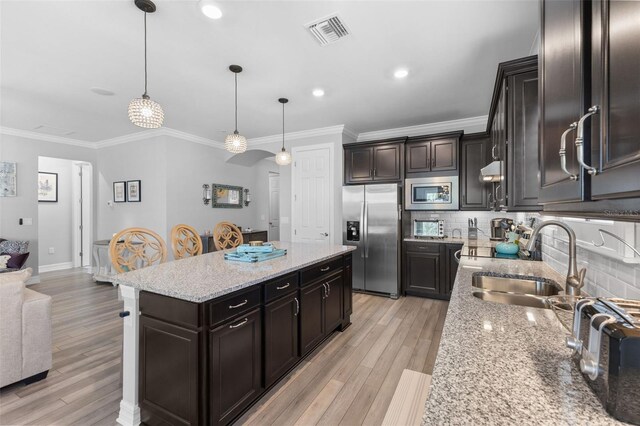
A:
(274, 206)
(82, 196)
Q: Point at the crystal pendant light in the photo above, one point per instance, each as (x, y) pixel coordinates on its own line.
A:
(236, 143)
(144, 112)
(283, 158)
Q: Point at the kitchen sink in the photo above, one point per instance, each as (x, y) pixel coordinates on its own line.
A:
(514, 289)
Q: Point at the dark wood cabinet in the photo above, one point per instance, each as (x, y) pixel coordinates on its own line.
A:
(281, 351)
(333, 303)
(236, 366)
(312, 324)
(429, 269)
(374, 162)
(429, 155)
(347, 288)
(475, 154)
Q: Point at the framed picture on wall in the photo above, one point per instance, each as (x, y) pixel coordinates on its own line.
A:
(47, 187)
(133, 191)
(8, 185)
(119, 192)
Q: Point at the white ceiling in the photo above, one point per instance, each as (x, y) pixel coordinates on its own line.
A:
(53, 52)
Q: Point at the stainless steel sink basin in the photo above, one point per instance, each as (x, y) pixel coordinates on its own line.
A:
(514, 289)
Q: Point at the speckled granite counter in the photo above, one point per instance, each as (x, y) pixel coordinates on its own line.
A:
(505, 364)
(205, 277)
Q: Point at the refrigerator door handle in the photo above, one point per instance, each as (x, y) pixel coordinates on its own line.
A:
(366, 229)
(362, 228)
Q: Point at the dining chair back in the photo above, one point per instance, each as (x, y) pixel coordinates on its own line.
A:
(135, 248)
(185, 242)
(226, 235)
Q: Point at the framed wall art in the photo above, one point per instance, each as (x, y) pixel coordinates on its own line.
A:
(133, 191)
(8, 179)
(47, 187)
(226, 196)
(119, 192)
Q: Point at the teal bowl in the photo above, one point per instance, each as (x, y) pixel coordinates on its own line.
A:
(507, 248)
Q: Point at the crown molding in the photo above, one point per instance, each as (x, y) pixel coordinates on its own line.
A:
(28, 134)
(322, 131)
(472, 123)
(162, 131)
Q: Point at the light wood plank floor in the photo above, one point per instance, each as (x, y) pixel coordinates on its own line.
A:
(350, 379)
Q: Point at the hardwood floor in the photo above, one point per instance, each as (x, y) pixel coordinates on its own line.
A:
(350, 379)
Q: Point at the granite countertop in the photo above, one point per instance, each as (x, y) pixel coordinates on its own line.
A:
(505, 364)
(205, 277)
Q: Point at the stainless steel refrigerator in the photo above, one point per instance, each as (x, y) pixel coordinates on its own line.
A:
(371, 222)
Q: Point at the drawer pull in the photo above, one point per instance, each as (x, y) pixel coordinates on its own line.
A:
(239, 304)
(283, 287)
(240, 324)
(325, 269)
(297, 306)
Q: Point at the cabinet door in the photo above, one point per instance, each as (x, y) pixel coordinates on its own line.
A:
(501, 189)
(615, 88)
(451, 269)
(311, 316)
(386, 162)
(475, 155)
(358, 165)
(347, 290)
(523, 186)
(333, 304)
(281, 350)
(236, 366)
(418, 157)
(423, 269)
(444, 155)
(561, 98)
(168, 394)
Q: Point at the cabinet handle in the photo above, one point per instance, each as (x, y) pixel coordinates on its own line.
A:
(433, 162)
(498, 187)
(580, 139)
(370, 172)
(283, 287)
(456, 255)
(240, 324)
(328, 289)
(325, 290)
(493, 152)
(239, 304)
(297, 306)
(563, 151)
(374, 172)
(325, 269)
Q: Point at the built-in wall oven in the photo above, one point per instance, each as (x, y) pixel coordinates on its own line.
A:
(434, 193)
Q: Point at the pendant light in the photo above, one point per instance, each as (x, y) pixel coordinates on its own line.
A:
(283, 158)
(144, 112)
(235, 143)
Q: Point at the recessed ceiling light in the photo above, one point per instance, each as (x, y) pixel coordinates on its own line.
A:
(209, 9)
(401, 73)
(318, 93)
(101, 91)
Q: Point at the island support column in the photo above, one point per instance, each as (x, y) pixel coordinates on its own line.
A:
(129, 409)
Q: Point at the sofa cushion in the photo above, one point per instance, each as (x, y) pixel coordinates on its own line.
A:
(18, 276)
(14, 246)
(17, 260)
(4, 259)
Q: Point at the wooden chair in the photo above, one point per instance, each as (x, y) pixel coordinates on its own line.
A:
(185, 241)
(226, 235)
(135, 248)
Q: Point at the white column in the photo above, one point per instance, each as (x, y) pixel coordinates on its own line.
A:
(129, 410)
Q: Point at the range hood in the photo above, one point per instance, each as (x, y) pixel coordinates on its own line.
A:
(491, 172)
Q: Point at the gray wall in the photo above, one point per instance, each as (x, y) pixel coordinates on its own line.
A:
(25, 152)
(55, 219)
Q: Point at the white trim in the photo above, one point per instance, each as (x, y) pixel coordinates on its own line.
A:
(163, 131)
(55, 267)
(129, 414)
(478, 124)
(332, 218)
(322, 131)
(44, 137)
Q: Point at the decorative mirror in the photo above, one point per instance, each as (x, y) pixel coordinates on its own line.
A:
(226, 196)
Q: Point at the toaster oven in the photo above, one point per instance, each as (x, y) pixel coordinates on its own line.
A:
(428, 228)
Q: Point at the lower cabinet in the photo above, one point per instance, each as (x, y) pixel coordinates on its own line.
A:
(281, 350)
(429, 269)
(236, 366)
(311, 316)
(333, 304)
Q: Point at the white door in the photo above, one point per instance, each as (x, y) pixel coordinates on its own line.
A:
(312, 181)
(274, 207)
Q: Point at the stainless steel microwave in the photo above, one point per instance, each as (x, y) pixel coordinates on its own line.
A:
(434, 193)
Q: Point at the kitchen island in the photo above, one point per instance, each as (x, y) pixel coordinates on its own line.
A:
(506, 364)
(204, 338)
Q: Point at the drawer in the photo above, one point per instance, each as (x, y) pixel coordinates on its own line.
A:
(312, 273)
(423, 247)
(235, 304)
(280, 287)
(169, 309)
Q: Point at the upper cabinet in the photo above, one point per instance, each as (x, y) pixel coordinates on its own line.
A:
(514, 135)
(433, 155)
(589, 105)
(474, 155)
(374, 162)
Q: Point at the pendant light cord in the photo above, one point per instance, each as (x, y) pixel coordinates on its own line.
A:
(236, 78)
(145, 53)
(283, 126)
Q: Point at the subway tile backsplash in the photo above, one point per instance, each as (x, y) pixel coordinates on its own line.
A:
(458, 220)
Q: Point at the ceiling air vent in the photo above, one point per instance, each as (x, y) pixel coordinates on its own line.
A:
(328, 30)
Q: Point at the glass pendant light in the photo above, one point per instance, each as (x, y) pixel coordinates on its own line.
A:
(236, 143)
(283, 158)
(144, 112)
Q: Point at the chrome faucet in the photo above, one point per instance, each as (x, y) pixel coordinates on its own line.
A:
(575, 278)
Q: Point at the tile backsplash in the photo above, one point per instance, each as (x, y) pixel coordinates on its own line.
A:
(458, 220)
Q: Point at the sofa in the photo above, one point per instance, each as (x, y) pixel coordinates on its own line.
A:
(13, 255)
(25, 330)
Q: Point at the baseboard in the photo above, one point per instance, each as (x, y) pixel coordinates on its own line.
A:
(33, 280)
(55, 267)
